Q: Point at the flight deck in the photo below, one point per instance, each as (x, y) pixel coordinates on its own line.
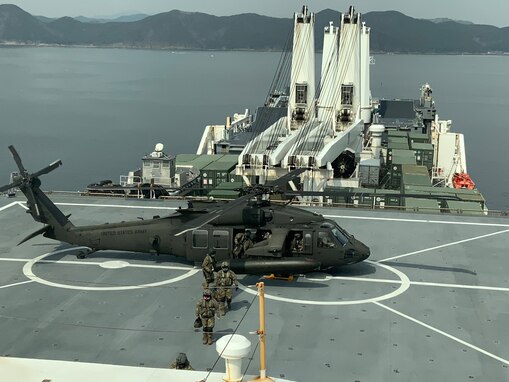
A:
(429, 304)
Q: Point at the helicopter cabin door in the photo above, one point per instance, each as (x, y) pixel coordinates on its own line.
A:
(221, 243)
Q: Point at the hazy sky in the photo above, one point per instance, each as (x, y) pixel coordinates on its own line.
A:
(493, 12)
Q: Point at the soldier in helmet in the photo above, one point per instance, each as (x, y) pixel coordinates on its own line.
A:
(296, 244)
(225, 281)
(208, 265)
(206, 309)
(181, 363)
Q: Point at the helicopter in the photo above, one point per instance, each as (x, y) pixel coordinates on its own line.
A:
(283, 239)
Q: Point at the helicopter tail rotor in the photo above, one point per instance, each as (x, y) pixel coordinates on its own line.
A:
(39, 205)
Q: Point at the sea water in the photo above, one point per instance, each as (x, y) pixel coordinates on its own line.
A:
(101, 110)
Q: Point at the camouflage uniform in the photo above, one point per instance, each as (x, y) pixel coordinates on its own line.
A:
(206, 309)
(207, 266)
(181, 363)
(225, 280)
(238, 246)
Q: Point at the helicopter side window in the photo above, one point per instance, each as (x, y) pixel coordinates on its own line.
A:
(325, 240)
(200, 239)
(220, 239)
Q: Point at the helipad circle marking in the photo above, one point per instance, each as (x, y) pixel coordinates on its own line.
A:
(403, 279)
(27, 271)
(114, 264)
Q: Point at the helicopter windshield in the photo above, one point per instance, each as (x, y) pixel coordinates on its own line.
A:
(338, 234)
(341, 236)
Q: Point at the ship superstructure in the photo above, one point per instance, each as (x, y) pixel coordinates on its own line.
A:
(350, 143)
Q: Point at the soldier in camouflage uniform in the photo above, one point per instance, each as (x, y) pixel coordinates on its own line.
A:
(206, 309)
(208, 265)
(225, 281)
(181, 363)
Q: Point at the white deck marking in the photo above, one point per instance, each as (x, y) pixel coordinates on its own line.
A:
(11, 285)
(404, 281)
(115, 206)
(460, 286)
(27, 271)
(444, 245)
(415, 220)
(22, 205)
(80, 262)
(419, 283)
(443, 333)
(8, 206)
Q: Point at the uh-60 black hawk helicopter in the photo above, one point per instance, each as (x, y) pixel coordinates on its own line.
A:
(284, 239)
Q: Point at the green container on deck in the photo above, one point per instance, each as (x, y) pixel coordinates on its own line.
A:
(398, 159)
(418, 137)
(423, 154)
(397, 133)
(464, 208)
(422, 205)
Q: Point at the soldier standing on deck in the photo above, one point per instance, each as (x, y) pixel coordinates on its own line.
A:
(225, 281)
(206, 309)
(208, 265)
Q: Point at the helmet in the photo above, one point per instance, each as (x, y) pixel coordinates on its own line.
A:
(182, 360)
(212, 252)
(298, 235)
(207, 294)
(225, 265)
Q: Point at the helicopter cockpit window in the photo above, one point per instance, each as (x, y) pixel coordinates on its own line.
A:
(340, 236)
(325, 240)
(200, 239)
(220, 239)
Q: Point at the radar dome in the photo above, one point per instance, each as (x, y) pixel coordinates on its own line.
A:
(159, 147)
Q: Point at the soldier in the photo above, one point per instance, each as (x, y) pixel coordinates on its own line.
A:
(225, 280)
(208, 265)
(181, 363)
(297, 245)
(238, 245)
(206, 309)
(248, 242)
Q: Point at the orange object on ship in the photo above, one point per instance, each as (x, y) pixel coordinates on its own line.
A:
(463, 180)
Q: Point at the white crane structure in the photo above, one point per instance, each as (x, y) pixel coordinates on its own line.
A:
(321, 122)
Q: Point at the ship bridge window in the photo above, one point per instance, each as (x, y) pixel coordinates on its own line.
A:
(301, 93)
(346, 94)
(156, 164)
(200, 239)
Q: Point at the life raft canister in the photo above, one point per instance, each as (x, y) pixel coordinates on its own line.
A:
(463, 180)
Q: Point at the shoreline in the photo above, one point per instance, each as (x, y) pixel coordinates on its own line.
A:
(170, 49)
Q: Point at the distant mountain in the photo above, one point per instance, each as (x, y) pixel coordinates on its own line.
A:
(119, 19)
(445, 20)
(391, 31)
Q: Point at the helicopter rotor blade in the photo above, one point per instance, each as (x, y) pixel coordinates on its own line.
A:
(12, 185)
(49, 168)
(286, 178)
(208, 218)
(17, 159)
